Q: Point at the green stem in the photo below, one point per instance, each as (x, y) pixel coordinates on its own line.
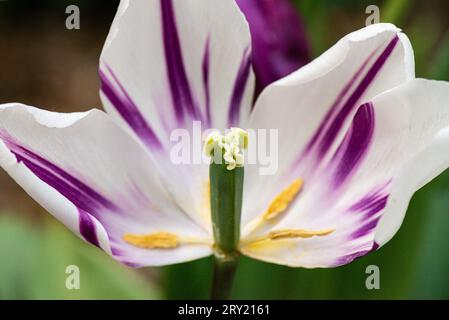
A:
(224, 272)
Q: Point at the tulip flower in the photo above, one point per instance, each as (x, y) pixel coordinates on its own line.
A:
(279, 41)
(358, 134)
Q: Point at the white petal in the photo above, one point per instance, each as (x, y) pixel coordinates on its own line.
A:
(96, 179)
(366, 206)
(312, 108)
(421, 155)
(177, 61)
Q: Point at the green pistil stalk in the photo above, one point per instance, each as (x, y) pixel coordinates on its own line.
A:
(226, 190)
(226, 187)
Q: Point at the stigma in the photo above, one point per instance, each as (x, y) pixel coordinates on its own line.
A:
(228, 148)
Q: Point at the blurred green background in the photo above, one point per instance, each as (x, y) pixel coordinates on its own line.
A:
(45, 65)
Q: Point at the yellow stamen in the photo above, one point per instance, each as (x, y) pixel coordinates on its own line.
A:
(158, 240)
(286, 234)
(283, 200)
(303, 234)
(277, 206)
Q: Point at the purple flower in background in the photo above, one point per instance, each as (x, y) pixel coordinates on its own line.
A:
(358, 134)
(278, 38)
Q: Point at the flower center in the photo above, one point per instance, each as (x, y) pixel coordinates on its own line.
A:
(226, 172)
(227, 151)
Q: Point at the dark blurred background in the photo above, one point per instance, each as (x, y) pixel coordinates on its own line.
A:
(45, 65)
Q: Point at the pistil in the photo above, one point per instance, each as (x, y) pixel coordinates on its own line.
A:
(226, 190)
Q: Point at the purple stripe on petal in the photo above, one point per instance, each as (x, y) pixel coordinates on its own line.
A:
(73, 194)
(125, 106)
(123, 256)
(336, 105)
(366, 228)
(22, 152)
(117, 252)
(81, 195)
(355, 255)
(80, 199)
(350, 257)
(206, 69)
(370, 207)
(239, 88)
(132, 264)
(354, 98)
(376, 206)
(182, 99)
(372, 203)
(366, 202)
(87, 228)
(355, 145)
